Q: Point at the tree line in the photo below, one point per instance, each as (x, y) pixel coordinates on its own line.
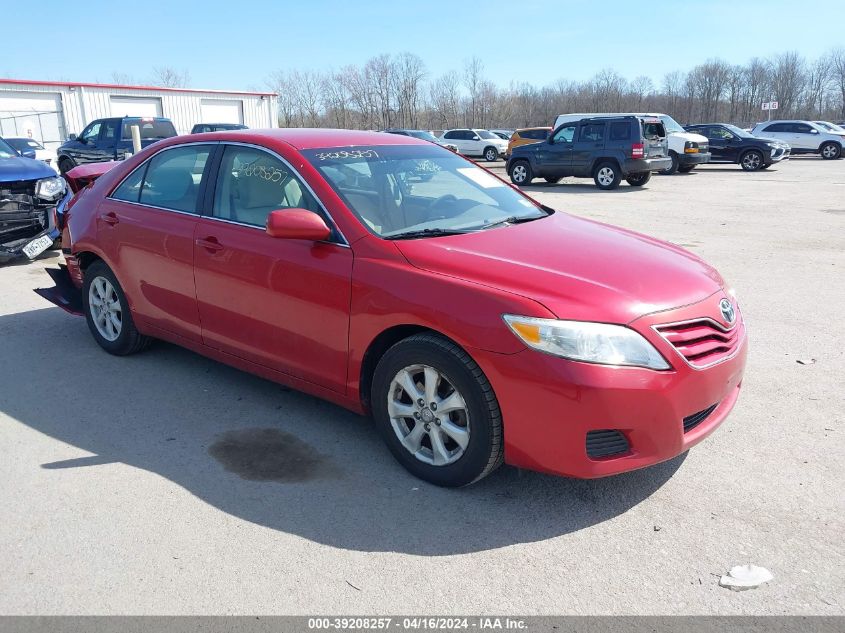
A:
(398, 91)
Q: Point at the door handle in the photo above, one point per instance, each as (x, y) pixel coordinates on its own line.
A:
(109, 218)
(210, 244)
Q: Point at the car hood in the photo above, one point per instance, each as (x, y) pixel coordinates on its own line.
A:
(19, 168)
(690, 136)
(577, 268)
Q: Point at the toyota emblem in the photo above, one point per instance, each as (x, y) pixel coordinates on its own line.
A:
(727, 310)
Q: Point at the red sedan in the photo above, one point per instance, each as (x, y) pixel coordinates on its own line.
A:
(398, 279)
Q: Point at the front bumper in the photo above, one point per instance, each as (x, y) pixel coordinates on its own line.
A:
(777, 154)
(549, 405)
(51, 226)
(694, 159)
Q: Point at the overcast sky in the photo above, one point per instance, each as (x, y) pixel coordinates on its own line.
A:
(237, 45)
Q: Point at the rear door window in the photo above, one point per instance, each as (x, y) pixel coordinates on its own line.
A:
(621, 130)
(173, 178)
(149, 128)
(592, 133)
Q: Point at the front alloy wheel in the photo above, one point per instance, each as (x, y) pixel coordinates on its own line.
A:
(521, 173)
(491, 154)
(436, 411)
(831, 151)
(429, 415)
(751, 161)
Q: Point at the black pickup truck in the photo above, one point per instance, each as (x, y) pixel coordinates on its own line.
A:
(105, 140)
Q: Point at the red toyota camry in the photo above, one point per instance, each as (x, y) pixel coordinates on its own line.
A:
(398, 279)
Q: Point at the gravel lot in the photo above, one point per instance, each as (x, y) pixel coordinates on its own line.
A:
(115, 500)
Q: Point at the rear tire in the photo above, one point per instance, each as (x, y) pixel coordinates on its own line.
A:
(112, 327)
(831, 151)
(521, 173)
(607, 175)
(685, 169)
(752, 160)
(467, 441)
(673, 168)
(65, 165)
(491, 154)
(638, 180)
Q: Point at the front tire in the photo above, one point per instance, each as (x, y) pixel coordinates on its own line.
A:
(65, 165)
(491, 154)
(673, 168)
(521, 173)
(831, 151)
(751, 160)
(607, 176)
(436, 411)
(638, 180)
(107, 312)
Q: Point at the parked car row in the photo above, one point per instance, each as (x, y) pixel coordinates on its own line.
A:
(609, 147)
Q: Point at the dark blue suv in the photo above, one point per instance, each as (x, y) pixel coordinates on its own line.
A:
(111, 139)
(606, 149)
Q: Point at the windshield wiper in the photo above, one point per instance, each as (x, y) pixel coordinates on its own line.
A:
(409, 235)
(515, 219)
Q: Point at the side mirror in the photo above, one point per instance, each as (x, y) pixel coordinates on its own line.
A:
(71, 137)
(476, 138)
(297, 224)
(814, 131)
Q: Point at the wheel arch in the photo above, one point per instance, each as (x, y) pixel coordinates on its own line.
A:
(604, 159)
(379, 346)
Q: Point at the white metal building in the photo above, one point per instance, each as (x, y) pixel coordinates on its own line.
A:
(48, 111)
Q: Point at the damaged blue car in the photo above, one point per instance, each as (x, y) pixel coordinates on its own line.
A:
(32, 203)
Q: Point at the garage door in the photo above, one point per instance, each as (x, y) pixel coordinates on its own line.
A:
(136, 106)
(36, 115)
(222, 111)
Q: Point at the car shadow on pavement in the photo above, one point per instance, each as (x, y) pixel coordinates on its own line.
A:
(272, 456)
(572, 187)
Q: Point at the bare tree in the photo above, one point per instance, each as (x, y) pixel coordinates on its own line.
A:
(446, 100)
(787, 81)
(169, 77)
(473, 78)
(837, 67)
(410, 72)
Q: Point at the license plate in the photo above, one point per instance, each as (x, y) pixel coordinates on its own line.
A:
(37, 246)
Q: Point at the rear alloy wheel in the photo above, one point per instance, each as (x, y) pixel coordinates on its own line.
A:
(437, 412)
(673, 168)
(831, 151)
(751, 160)
(491, 154)
(107, 312)
(552, 180)
(607, 176)
(521, 173)
(638, 180)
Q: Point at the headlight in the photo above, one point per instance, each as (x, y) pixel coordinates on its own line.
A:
(588, 342)
(50, 188)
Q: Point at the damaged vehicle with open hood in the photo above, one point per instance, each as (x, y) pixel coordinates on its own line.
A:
(32, 202)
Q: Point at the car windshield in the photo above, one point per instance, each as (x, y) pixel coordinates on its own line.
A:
(419, 190)
(426, 136)
(738, 131)
(670, 124)
(832, 127)
(486, 134)
(150, 128)
(6, 150)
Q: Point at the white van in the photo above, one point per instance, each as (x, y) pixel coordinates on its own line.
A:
(685, 148)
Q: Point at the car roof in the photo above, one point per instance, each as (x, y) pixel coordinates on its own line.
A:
(314, 138)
